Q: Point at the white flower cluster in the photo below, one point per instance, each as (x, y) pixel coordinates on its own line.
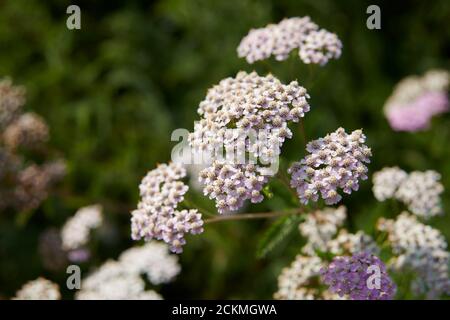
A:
(111, 282)
(320, 227)
(120, 280)
(152, 259)
(278, 40)
(156, 216)
(233, 113)
(319, 47)
(420, 191)
(39, 289)
(422, 249)
(387, 181)
(349, 243)
(335, 162)
(75, 232)
(297, 282)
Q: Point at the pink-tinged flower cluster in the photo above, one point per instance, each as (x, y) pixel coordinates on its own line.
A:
(416, 100)
(246, 116)
(334, 162)
(157, 216)
(352, 276)
(278, 40)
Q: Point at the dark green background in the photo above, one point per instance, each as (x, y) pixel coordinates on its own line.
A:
(113, 92)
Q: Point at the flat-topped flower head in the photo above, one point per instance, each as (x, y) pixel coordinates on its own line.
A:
(416, 100)
(39, 289)
(247, 117)
(112, 282)
(319, 47)
(320, 227)
(156, 216)
(387, 181)
(152, 259)
(278, 40)
(421, 192)
(76, 231)
(334, 162)
(350, 275)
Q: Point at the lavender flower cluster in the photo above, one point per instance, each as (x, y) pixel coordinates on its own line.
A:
(119, 280)
(420, 191)
(416, 100)
(157, 216)
(278, 40)
(334, 162)
(349, 276)
(421, 249)
(233, 113)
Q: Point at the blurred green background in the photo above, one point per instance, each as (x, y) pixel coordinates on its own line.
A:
(113, 92)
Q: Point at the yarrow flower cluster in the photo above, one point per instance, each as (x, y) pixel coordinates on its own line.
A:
(387, 181)
(29, 131)
(234, 112)
(12, 98)
(422, 249)
(39, 289)
(350, 243)
(23, 184)
(111, 282)
(278, 40)
(118, 280)
(320, 227)
(334, 162)
(298, 281)
(157, 216)
(349, 275)
(152, 259)
(420, 191)
(76, 230)
(416, 100)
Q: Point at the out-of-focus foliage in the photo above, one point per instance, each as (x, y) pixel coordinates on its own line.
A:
(113, 92)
